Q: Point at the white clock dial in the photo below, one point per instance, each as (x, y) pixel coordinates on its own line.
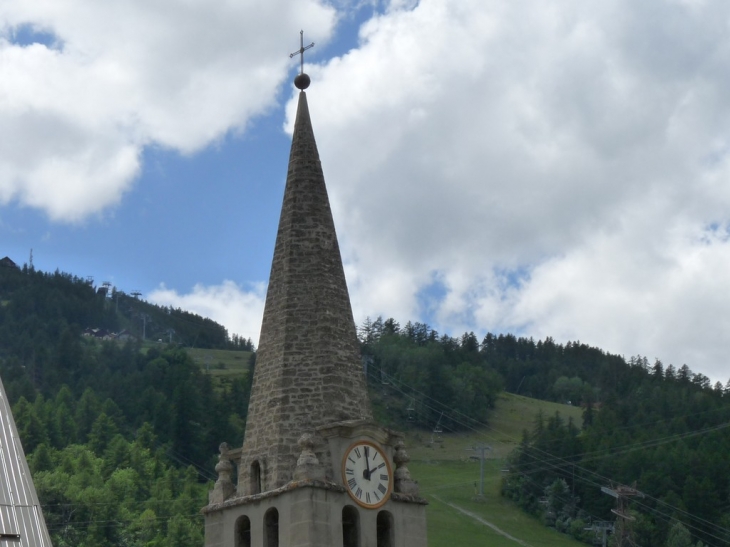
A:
(367, 475)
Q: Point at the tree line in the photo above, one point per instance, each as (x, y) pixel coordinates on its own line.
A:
(122, 438)
(666, 435)
(664, 429)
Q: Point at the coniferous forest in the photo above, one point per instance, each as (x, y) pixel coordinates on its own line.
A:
(665, 430)
(122, 436)
(121, 441)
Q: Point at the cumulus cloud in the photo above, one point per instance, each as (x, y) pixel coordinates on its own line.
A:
(238, 309)
(555, 168)
(93, 83)
(546, 168)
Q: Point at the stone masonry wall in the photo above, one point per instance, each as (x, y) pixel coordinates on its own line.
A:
(308, 369)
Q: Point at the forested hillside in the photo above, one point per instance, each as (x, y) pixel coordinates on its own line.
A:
(122, 436)
(121, 439)
(664, 430)
(668, 435)
(461, 376)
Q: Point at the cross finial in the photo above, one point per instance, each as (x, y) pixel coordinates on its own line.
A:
(301, 50)
(301, 81)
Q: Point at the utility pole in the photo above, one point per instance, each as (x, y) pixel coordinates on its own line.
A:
(481, 449)
(622, 529)
(145, 317)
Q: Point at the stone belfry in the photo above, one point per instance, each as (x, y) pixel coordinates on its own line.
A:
(314, 469)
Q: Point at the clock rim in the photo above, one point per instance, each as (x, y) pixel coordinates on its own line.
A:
(391, 479)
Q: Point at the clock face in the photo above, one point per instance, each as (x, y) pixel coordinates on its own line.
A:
(366, 474)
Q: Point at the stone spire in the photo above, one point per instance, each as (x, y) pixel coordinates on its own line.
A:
(308, 369)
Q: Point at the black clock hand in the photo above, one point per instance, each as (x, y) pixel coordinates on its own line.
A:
(366, 473)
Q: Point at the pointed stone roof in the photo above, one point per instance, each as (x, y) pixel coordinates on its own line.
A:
(308, 368)
(21, 518)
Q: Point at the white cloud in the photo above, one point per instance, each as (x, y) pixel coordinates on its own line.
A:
(551, 168)
(238, 309)
(553, 165)
(124, 75)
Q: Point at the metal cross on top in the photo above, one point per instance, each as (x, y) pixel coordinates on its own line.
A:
(301, 49)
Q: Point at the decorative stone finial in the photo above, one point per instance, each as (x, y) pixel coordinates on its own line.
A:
(224, 487)
(404, 484)
(308, 465)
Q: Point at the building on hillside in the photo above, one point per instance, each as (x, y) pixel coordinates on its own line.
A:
(99, 334)
(124, 335)
(105, 334)
(21, 518)
(7, 263)
(315, 469)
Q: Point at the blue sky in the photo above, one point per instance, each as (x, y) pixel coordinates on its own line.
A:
(542, 168)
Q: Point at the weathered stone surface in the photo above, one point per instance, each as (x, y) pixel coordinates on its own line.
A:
(309, 400)
(224, 487)
(308, 466)
(404, 484)
(308, 369)
(311, 516)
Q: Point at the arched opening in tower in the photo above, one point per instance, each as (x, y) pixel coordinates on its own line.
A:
(243, 532)
(350, 527)
(386, 536)
(271, 527)
(255, 478)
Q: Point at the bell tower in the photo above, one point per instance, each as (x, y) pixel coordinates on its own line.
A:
(315, 470)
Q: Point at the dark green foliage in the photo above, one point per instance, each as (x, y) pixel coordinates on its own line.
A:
(669, 436)
(444, 380)
(42, 314)
(78, 402)
(134, 486)
(554, 372)
(110, 431)
(131, 496)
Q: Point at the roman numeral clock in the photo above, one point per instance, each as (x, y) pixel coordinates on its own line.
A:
(367, 474)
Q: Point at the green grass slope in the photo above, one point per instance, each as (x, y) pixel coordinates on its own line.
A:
(449, 476)
(221, 364)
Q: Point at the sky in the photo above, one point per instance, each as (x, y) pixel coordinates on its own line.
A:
(544, 168)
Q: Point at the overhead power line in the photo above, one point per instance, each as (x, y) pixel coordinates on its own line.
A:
(558, 464)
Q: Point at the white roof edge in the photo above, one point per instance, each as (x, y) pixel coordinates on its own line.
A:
(20, 510)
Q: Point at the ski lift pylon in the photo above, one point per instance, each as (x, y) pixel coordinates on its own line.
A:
(411, 410)
(438, 429)
(383, 377)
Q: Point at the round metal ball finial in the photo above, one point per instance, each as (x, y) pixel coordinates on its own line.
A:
(302, 81)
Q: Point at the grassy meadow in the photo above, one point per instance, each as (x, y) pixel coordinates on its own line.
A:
(221, 364)
(449, 476)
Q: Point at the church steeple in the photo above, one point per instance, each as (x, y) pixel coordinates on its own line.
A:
(315, 470)
(308, 368)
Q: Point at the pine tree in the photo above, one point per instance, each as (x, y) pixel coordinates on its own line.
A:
(679, 536)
